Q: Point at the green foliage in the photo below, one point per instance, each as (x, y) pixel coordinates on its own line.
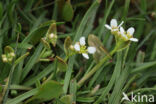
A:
(38, 38)
(48, 91)
(67, 11)
(67, 99)
(62, 65)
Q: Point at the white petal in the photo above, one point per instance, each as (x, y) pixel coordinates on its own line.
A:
(82, 41)
(131, 31)
(122, 30)
(91, 50)
(134, 39)
(77, 47)
(108, 27)
(113, 23)
(121, 24)
(85, 55)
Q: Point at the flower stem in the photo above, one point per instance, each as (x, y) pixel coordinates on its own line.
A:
(95, 68)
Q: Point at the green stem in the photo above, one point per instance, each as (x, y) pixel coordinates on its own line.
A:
(66, 58)
(88, 75)
(44, 60)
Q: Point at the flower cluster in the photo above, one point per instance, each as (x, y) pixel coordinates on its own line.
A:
(119, 31)
(81, 48)
(8, 57)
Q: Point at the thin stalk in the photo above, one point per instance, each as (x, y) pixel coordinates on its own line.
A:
(6, 89)
(88, 75)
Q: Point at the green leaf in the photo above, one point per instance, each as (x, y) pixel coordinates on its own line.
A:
(67, 12)
(19, 27)
(67, 99)
(37, 34)
(1, 88)
(49, 90)
(22, 97)
(47, 54)
(50, 22)
(11, 12)
(21, 58)
(45, 43)
(60, 4)
(62, 65)
(86, 99)
(24, 46)
(1, 10)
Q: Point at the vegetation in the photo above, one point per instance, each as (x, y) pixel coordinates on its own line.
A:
(77, 51)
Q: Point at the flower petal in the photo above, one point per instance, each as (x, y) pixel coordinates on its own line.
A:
(85, 55)
(108, 27)
(122, 30)
(130, 31)
(134, 39)
(82, 41)
(77, 47)
(91, 50)
(113, 23)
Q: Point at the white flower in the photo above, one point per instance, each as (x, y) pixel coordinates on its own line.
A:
(82, 49)
(77, 47)
(82, 41)
(85, 55)
(122, 32)
(130, 31)
(128, 35)
(91, 50)
(113, 25)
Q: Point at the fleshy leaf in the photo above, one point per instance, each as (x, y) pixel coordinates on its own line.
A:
(67, 12)
(67, 99)
(49, 90)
